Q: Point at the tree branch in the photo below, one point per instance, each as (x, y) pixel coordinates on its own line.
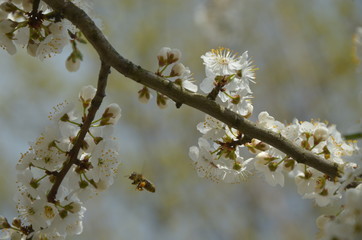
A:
(353, 136)
(73, 153)
(108, 54)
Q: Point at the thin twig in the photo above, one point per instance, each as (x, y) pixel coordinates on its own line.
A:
(353, 136)
(107, 53)
(215, 91)
(73, 153)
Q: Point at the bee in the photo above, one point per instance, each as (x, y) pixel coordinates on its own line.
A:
(141, 182)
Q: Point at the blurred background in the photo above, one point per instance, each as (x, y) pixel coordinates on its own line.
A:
(306, 70)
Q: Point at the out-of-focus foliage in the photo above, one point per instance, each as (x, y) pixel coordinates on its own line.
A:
(303, 50)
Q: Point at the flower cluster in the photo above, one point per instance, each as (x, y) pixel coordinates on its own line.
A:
(168, 59)
(317, 137)
(41, 30)
(218, 154)
(228, 77)
(43, 164)
(219, 157)
(346, 224)
(51, 206)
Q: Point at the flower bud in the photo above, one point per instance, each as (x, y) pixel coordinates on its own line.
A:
(16, 222)
(177, 70)
(262, 146)
(72, 64)
(111, 114)
(161, 101)
(289, 164)
(173, 56)
(162, 56)
(320, 134)
(74, 207)
(86, 94)
(144, 95)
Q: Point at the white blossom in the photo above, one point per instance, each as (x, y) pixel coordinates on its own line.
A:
(347, 224)
(218, 169)
(111, 114)
(177, 70)
(162, 56)
(221, 62)
(173, 55)
(271, 171)
(186, 81)
(168, 56)
(86, 94)
(48, 36)
(211, 128)
(47, 155)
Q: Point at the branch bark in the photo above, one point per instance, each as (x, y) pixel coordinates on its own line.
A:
(73, 153)
(109, 55)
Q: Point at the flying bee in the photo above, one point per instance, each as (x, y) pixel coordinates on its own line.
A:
(141, 182)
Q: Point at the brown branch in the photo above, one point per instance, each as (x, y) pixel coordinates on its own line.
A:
(107, 53)
(73, 153)
(215, 91)
(353, 136)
